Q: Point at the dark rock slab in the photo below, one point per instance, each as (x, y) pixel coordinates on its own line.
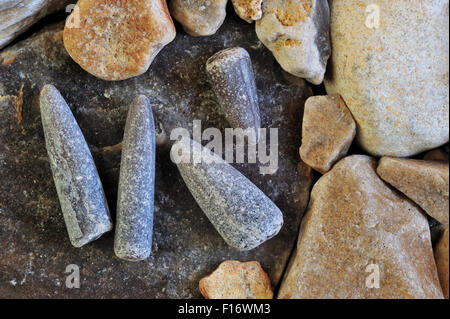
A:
(34, 247)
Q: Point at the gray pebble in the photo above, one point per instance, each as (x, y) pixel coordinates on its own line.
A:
(134, 229)
(231, 74)
(76, 178)
(242, 214)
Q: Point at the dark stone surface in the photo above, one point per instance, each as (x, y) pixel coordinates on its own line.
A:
(34, 247)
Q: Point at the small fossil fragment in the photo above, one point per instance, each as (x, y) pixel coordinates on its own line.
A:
(248, 10)
(199, 17)
(134, 229)
(76, 178)
(242, 214)
(231, 73)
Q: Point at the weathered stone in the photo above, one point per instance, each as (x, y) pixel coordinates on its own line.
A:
(199, 17)
(424, 182)
(390, 63)
(242, 214)
(231, 73)
(17, 16)
(437, 155)
(34, 250)
(237, 280)
(297, 33)
(356, 228)
(441, 252)
(116, 40)
(134, 226)
(80, 191)
(248, 10)
(328, 131)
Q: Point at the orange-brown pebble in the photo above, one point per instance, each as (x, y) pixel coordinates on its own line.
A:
(441, 252)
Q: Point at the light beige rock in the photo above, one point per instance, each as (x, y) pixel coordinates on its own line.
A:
(390, 64)
(237, 280)
(297, 33)
(199, 17)
(249, 10)
(424, 182)
(441, 252)
(16, 16)
(327, 132)
(117, 40)
(355, 228)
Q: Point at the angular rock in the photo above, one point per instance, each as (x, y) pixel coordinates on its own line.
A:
(328, 131)
(390, 63)
(134, 229)
(248, 10)
(17, 16)
(357, 235)
(242, 214)
(237, 280)
(231, 73)
(79, 188)
(297, 33)
(199, 17)
(32, 230)
(424, 182)
(117, 40)
(441, 252)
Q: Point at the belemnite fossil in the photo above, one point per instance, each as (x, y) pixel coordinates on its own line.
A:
(76, 178)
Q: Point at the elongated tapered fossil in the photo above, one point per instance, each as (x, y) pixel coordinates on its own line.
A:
(76, 178)
(242, 214)
(133, 239)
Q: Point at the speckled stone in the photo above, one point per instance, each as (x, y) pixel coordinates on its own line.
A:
(354, 220)
(134, 226)
(297, 33)
(199, 17)
(242, 214)
(424, 182)
(231, 73)
(441, 252)
(117, 39)
(328, 131)
(248, 10)
(390, 64)
(237, 280)
(76, 179)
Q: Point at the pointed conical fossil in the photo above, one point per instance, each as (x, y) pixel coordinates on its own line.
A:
(134, 229)
(231, 73)
(242, 214)
(76, 178)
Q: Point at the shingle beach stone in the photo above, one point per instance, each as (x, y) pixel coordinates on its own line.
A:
(248, 10)
(134, 225)
(297, 33)
(237, 280)
(242, 214)
(441, 253)
(199, 17)
(76, 179)
(231, 73)
(116, 40)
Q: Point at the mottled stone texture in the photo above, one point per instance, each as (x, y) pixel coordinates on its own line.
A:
(16, 16)
(424, 182)
(328, 131)
(390, 64)
(248, 10)
(80, 191)
(117, 39)
(355, 220)
(242, 214)
(237, 280)
(134, 225)
(231, 74)
(441, 252)
(34, 250)
(199, 17)
(297, 33)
